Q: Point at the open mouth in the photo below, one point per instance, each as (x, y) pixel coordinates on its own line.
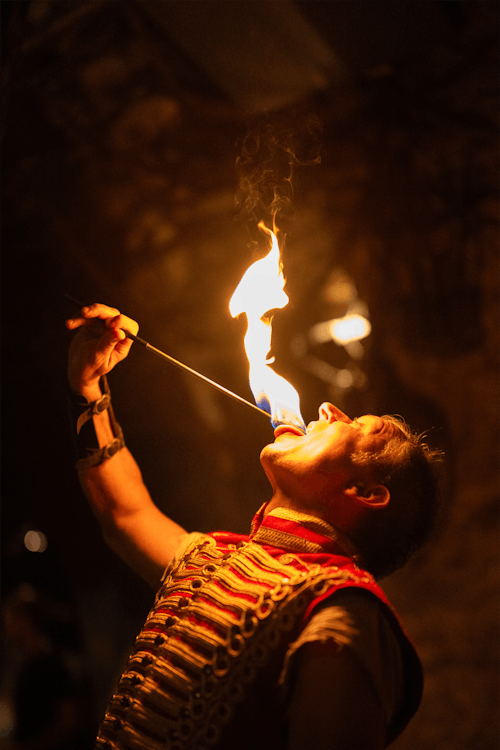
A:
(287, 428)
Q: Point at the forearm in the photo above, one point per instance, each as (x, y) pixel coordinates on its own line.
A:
(131, 523)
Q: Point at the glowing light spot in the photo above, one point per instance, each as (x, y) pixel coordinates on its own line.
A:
(355, 349)
(322, 370)
(339, 288)
(6, 718)
(341, 330)
(344, 379)
(299, 346)
(350, 328)
(35, 541)
(341, 291)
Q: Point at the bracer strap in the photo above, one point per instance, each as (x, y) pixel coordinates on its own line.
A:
(88, 451)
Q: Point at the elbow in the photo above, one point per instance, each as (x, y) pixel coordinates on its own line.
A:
(111, 533)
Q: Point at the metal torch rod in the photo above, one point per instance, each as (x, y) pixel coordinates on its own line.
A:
(181, 365)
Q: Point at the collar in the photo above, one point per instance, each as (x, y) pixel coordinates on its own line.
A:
(298, 532)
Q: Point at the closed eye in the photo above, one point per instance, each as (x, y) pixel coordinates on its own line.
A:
(372, 423)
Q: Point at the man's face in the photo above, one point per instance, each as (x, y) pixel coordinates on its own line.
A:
(314, 464)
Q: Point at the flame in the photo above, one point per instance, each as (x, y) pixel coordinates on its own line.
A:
(261, 290)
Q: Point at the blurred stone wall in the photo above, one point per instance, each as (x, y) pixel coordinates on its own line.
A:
(119, 186)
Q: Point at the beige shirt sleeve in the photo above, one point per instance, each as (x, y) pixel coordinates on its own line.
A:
(356, 620)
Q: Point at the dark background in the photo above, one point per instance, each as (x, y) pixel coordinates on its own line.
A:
(121, 126)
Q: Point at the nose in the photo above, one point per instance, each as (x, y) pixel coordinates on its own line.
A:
(330, 413)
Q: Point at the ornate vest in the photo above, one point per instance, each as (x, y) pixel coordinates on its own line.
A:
(223, 619)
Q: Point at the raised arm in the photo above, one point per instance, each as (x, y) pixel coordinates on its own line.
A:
(131, 523)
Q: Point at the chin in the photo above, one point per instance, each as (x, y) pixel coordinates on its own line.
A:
(267, 453)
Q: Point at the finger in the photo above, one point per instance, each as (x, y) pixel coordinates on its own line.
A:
(122, 346)
(123, 322)
(98, 310)
(72, 323)
(95, 326)
(110, 340)
(121, 342)
(117, 347)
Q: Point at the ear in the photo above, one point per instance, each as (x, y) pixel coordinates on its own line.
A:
(374, 496)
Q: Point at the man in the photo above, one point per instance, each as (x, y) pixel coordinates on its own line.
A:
(280, 639)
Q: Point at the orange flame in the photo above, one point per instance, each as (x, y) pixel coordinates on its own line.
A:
(261, 290)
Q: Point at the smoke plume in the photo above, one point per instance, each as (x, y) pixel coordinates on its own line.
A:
(265, 168)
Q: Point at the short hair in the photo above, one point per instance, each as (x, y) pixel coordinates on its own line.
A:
(389, 536)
